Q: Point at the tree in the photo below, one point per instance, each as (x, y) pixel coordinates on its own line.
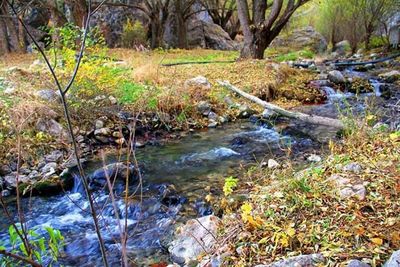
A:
(79, 11)
(223, 13)
(260, 27)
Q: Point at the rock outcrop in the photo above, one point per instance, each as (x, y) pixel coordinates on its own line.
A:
(305, 38)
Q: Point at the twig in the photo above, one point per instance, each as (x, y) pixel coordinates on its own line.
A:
(18, 257)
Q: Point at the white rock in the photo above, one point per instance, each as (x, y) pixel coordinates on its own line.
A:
(273, 164)
(198, 81)
(314, 158)
(186, 247)
(9, 90)
(99, 124)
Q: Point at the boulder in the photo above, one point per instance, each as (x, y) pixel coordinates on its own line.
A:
(112, 171)
(298, 261)
(54, 156)
(51, 127)
(336, 77)
(204, 108)
(305, 38)
(394, 260)
(341, 48)
(11, 179)
(245, 111)
(185, 247)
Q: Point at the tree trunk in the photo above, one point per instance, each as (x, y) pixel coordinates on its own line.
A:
(4, 47)
(11, 30)
(79, 10)
(255, 47)
(157, 34)
(181, 25)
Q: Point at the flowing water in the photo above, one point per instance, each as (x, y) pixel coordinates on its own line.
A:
(176, 178)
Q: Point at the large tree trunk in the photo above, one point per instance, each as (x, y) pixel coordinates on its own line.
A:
(11, 29)
(254, 48)
(79, 10)
(4, 48)
(157, 34)
(181, 25)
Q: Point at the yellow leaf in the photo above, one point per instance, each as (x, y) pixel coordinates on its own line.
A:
(377, 241)
(290, 231)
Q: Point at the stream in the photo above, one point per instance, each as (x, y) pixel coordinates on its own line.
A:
(176, 178)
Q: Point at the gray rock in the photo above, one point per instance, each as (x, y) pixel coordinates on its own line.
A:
(49, 169)
(185, 247)
(336, 77)
(48, 95)
(273, 164)
(54, 156)
(200, 81)
(245, 111)
(51, 127)
(204, 108)
(99, 124)
(359, 191)
(391, 76)
(342, 47)
(113, 100)
(298, 261)
(212, 124)
(11, 180)
(357, 263)
(102, 132)
(394, 260)
(268, 114)
(352, 167)
(304, 38)
(4, 170)
(314, 158)
(139, 144)
(112, 171)
(5, 193)
(213, 116)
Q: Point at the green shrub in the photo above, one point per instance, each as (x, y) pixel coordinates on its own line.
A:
(133, 34)
(377, 41)
(130, 92)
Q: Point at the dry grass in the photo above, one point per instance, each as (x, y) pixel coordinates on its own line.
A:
(290, 213)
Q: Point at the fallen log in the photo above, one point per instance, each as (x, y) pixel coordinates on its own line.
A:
(355, 63)
(197, 62)
(295, 115)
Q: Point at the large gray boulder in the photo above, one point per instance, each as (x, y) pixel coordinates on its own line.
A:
(305, 38)
(209, 35)
(336, 77)
(193, 238)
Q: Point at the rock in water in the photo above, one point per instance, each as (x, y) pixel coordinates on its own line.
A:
(336, 77)
(186, 247)
(298, 261)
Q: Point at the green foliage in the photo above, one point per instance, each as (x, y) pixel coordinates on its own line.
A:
(133, 34)
(377, 42)
(293, 56)
(130, 92)
(69, 36)
(44, 249)
(229, 185)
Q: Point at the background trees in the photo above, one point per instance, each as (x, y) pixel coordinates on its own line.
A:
(261, 27)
